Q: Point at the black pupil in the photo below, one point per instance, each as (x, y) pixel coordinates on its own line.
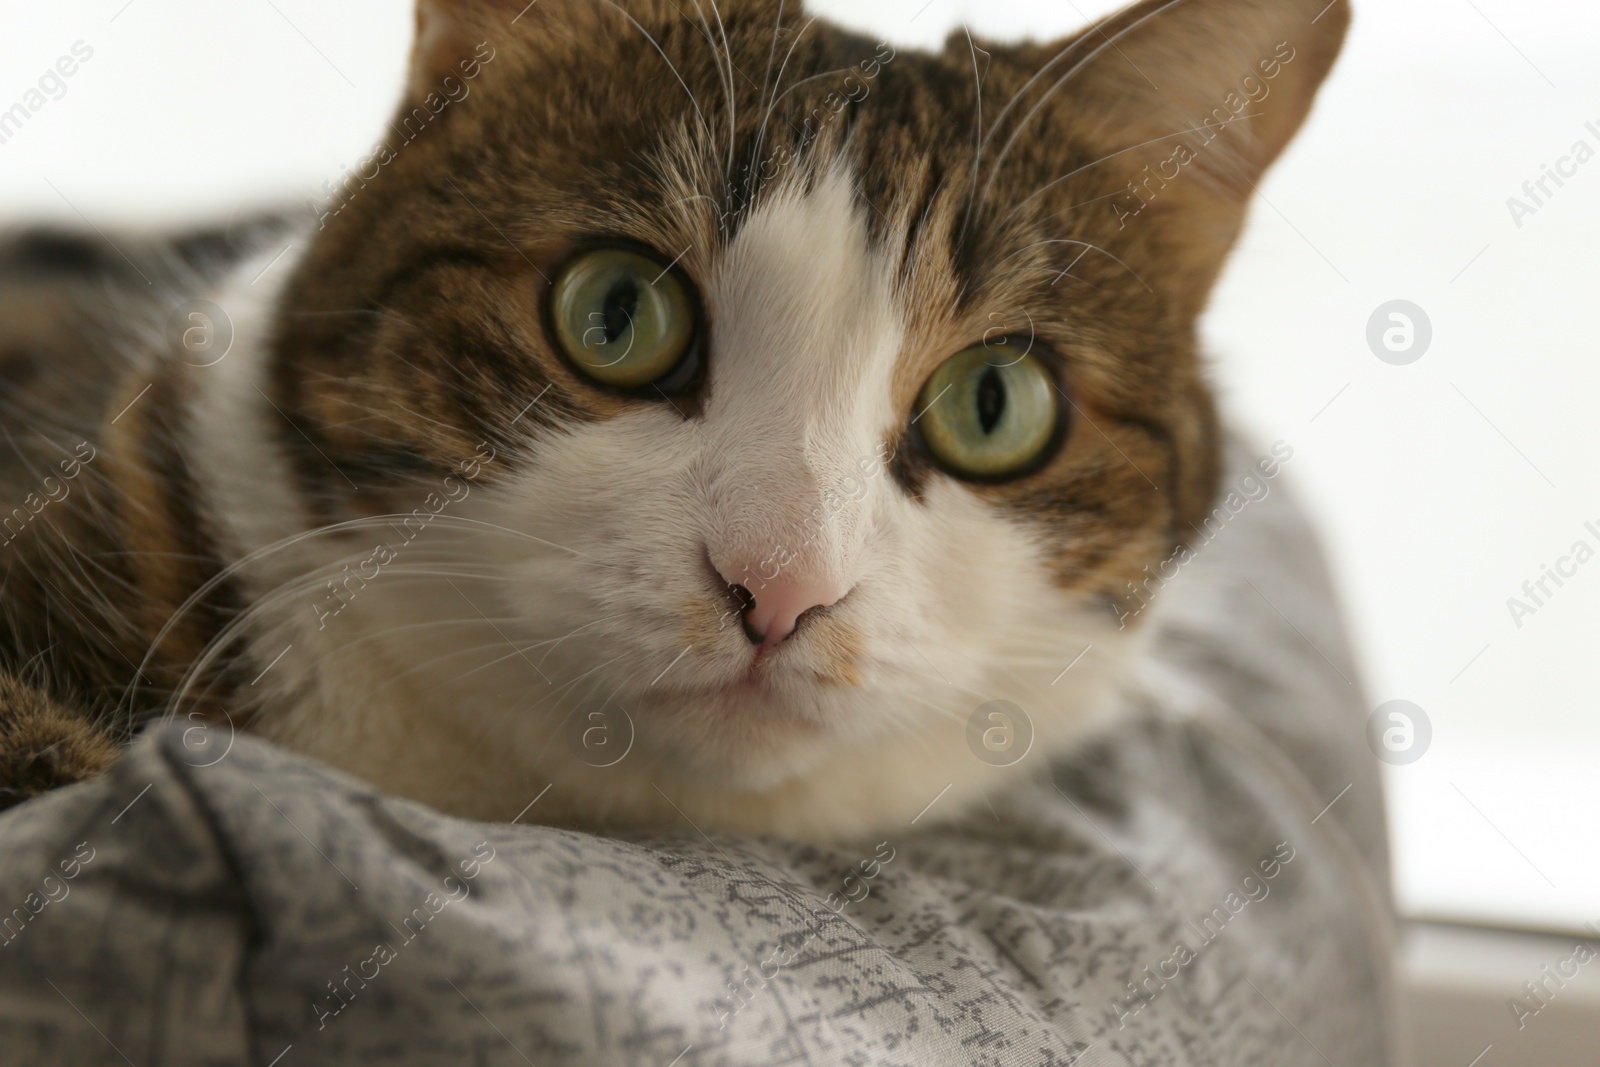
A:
(621, 303)
(991, 400)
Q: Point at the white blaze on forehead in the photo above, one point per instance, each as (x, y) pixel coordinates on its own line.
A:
(805, 334)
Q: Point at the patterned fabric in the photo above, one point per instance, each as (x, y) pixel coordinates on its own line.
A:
(1180, 893)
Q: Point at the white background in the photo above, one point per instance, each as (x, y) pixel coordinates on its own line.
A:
(1440, 486)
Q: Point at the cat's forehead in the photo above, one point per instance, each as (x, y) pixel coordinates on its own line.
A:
(670, 129)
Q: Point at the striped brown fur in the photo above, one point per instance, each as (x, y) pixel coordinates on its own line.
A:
(89, 581)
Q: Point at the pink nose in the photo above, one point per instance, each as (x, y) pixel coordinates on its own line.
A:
(773, 608)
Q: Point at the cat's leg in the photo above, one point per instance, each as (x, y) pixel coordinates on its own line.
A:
(45, 745)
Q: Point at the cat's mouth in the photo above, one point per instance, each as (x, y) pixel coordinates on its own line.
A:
(776, 687)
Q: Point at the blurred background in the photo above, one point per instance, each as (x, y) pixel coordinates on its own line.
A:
(1445, 467)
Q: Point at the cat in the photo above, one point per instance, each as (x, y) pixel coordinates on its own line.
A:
(685, 413)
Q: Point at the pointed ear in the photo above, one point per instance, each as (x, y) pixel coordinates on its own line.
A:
(1232, 80)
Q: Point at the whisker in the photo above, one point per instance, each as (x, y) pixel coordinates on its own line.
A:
(772, 52)
(761, 135)
(977, 133)
(729, 88)
(232, 569)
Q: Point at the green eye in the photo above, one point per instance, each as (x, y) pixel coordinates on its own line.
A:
(988, 413)
(623, 318)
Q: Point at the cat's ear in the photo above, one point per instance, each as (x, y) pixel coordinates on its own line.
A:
(1237, 76)
(1231, 80)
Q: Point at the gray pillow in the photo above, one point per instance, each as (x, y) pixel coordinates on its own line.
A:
(1181, 892)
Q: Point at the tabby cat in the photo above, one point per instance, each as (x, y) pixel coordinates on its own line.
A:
(687, 411)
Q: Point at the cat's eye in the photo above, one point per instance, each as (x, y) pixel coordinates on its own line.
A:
(989, 413)
(624, 319)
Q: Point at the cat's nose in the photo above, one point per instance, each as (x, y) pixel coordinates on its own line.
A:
(772, 609)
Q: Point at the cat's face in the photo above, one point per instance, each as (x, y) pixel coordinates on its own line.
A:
(814, 402)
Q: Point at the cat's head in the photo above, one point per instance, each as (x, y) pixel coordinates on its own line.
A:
(788, 393)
